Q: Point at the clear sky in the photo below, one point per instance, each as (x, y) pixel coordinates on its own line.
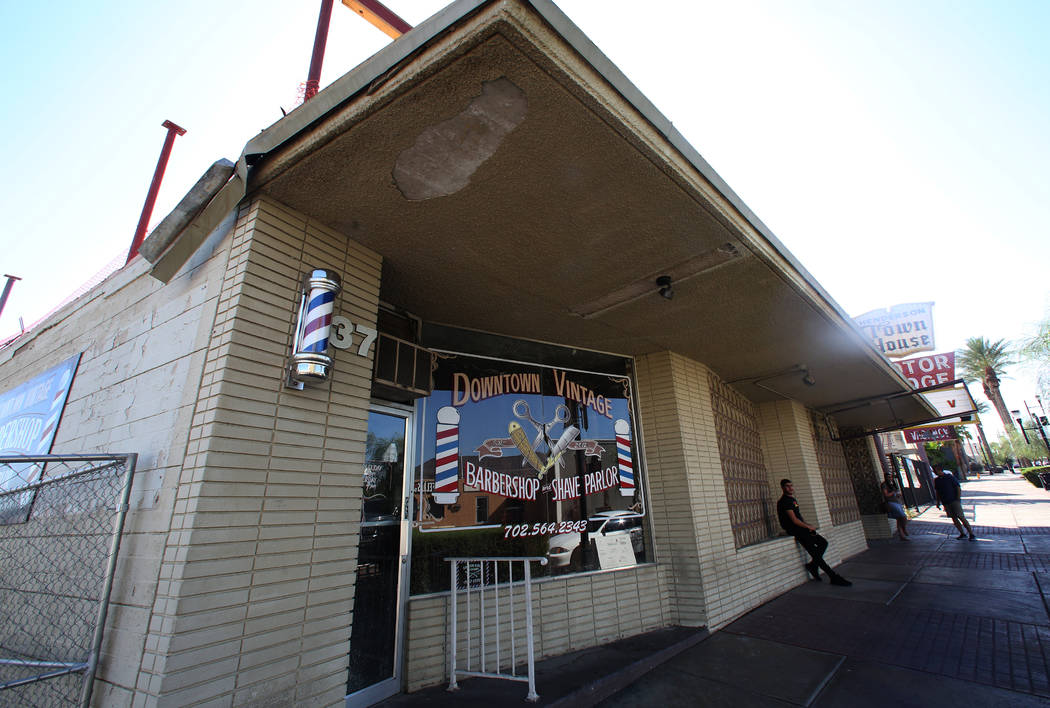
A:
(897, 148)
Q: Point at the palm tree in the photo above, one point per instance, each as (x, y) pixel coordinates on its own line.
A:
(984, 361)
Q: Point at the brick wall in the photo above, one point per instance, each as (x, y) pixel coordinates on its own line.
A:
(751, 509)
(712, 581)
(862, 457)
(791, 452)
(677, 444)
(865, 472)
(834, 472)
(256, 587)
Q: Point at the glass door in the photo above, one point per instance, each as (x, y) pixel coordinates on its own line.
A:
(375, 640)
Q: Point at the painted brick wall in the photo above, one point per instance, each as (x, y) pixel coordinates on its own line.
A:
(862, 458)
(256, 588)
(877, 526)
(751, 504)
(670, 422)
(835, 472)
(787, 439)
(711, 581)
(791, 452)
(143, 347)
(734, 580)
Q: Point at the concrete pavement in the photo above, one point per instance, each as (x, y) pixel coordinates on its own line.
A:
(931, 622)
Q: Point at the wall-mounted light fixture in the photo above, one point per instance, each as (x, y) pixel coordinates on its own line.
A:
(310, 362)
(677, 273)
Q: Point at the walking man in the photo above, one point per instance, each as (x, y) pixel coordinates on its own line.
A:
(806, 535)
(950, 494)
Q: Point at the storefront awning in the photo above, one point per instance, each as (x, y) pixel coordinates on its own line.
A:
(515, 182)
(953, 402)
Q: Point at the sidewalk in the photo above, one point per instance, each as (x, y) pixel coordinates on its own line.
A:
(932, 622)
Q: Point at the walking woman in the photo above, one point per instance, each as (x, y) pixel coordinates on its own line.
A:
(895, 507)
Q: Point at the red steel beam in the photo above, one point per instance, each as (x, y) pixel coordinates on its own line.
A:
(379, 15)
(313, 79)
(154, 187)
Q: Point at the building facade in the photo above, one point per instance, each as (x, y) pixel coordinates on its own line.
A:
(501, 208)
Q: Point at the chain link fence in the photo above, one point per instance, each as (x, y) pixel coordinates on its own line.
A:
(61, 519)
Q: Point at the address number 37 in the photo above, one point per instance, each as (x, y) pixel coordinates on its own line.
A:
(342, 336)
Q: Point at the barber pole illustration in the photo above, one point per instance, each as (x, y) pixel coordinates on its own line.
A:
(446, 457)
(58, 402)
(310, 360)
(623, 454)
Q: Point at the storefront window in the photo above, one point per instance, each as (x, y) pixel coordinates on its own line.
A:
(523, 460)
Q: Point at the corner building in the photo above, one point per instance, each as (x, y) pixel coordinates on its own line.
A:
(498, 203)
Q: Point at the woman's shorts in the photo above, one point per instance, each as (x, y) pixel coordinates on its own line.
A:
(895, 511)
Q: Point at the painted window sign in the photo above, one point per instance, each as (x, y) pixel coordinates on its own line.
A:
(550, 452)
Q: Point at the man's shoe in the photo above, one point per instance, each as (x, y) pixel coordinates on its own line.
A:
(840, 581)
(813, 570)
(960, 537)
(972, 537)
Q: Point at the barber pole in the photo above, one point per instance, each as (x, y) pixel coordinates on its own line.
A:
(623, 454)
(446, 457)
(310, 362)
(58, 401)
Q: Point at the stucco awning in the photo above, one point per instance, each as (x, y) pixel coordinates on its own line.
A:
(516, 182)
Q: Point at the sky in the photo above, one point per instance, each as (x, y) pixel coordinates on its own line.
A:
(896, 148)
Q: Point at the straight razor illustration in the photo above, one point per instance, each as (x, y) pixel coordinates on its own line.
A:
(521, 441)
(553, 459)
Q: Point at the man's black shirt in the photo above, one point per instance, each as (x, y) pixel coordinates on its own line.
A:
(947, 488)
(786, 504)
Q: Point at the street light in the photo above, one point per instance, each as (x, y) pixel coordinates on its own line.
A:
(1039, 427)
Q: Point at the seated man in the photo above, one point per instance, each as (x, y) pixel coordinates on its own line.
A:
(806, 535)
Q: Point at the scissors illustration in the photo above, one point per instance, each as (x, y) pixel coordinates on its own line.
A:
(543, 430)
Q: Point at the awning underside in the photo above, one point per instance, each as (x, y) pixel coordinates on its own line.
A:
(510, 188)
(953, 404)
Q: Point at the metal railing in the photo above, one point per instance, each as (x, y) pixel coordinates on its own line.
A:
(488, 585)
(61, 521)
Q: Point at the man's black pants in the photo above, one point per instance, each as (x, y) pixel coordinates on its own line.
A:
(815, 545)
